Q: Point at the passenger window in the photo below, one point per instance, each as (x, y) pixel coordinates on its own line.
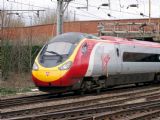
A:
(140, 57)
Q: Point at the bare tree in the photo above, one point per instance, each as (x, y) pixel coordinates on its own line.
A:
(7, 20)
(49, 17)
(11, 20)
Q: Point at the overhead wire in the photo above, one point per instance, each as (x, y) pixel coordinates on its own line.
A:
(88, 13)
(31, 5)
(93, 16)
(107, 9)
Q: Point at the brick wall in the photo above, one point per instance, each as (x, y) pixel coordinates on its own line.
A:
(49, 30)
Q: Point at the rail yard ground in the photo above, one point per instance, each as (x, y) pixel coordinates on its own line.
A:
(129, 103)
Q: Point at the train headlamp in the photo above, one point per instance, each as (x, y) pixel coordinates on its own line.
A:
(66, 66)
(35, 66)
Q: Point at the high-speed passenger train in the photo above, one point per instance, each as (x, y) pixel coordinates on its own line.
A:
(79, 61)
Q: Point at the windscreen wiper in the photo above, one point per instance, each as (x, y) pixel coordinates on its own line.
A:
(52, 52)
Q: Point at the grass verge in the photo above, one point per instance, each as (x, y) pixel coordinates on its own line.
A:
(13, 91)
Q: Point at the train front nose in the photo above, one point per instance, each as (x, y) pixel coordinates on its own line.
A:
(46, 77)
(49, 76)
(53, 62)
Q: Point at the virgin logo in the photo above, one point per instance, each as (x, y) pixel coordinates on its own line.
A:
(47, 73)
(105, 58)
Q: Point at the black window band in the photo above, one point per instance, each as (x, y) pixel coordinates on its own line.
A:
(140, 57)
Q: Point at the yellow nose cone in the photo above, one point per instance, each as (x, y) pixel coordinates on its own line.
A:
(48, 75)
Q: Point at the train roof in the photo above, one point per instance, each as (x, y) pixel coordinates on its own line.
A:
(130, 41)
(76, 37)
(72, 37)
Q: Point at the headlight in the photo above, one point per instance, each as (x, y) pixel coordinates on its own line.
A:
(35, 66)
(66, 66)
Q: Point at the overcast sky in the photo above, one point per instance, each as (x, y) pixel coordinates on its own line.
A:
(117, 10)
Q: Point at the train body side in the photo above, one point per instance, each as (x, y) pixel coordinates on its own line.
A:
(123, 58)
(140, 58)
(124, 61)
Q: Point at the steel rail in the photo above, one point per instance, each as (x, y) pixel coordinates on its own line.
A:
(109, 112)
(109, 103)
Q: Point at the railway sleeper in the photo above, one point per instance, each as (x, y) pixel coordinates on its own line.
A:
(51, 108)
(127, 114)
(111, 113)
(145, 115)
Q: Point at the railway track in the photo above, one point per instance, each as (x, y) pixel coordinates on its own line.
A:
(136, 111)
(24, 100)
(99, 107)
(6, 103)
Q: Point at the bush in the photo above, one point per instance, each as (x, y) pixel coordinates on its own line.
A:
(17, 58)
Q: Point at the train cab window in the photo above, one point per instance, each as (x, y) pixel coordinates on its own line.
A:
(140, 57)
(55, 53)
(61, 48)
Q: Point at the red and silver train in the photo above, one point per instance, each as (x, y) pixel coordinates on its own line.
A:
(78, 61)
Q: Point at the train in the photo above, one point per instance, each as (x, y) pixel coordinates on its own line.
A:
(82, 62)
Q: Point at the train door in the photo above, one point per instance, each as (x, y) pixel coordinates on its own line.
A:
(118, 59)
(127, 67)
